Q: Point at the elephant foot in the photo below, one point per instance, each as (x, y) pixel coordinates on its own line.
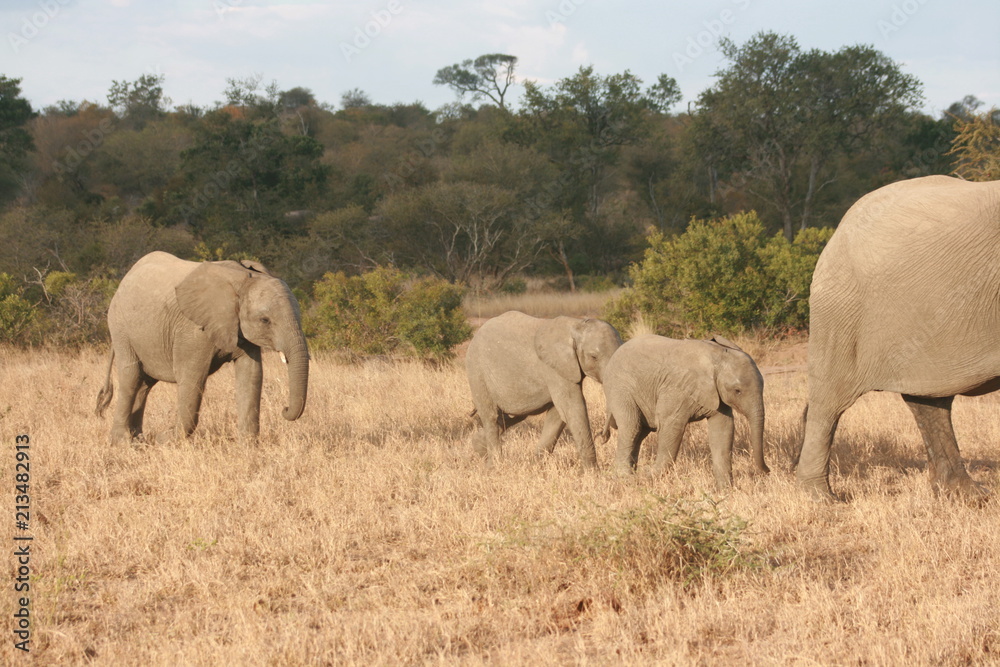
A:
(961, 487)
(819, 491)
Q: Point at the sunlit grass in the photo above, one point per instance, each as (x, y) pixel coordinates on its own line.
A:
(367, 532)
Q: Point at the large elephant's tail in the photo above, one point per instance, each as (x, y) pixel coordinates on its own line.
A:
(107, 392)
(800, 438)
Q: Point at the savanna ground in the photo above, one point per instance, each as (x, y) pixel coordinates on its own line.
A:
(367, 532)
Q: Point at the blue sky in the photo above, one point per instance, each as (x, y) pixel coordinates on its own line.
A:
(391, 49)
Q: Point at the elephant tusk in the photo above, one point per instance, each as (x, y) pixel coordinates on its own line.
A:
(284, 359)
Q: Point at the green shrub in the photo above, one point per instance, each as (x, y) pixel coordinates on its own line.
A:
(57, 281)
(17, 315)
(721, 276)
(386, 311)
(663, 541)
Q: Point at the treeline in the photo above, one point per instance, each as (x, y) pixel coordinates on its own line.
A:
(568, 184)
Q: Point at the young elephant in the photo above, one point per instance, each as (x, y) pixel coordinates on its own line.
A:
(520, 365)
(659, 384)
(177, 321)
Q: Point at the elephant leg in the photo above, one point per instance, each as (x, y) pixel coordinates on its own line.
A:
(572, 408)
(139, 405)
(947, 471)
(551, 431)
(813, 466)
(720, 442)
(249, 379)
(486, 439)
(631, 433)
(129, 384)
(669, 434)
(190, 389)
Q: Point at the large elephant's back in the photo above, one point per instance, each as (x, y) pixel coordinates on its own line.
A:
(909, 282)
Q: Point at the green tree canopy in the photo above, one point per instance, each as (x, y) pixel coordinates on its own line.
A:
(778, 116)
(15, 141)
(140, 101)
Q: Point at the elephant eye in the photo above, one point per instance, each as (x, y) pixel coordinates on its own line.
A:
(265, 319)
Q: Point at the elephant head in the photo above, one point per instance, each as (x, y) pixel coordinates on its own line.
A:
(740, 385)
(576, 348)
(234, 301)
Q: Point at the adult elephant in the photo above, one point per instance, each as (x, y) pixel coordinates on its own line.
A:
(653, 383)
(177, 321)
(906, 298)
(520, 365)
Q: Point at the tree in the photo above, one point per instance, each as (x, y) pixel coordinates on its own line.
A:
(583, 123)
(777, 117)
(462, 231)
(139, 101)
(487, 76)
(15, 141)
(240, 177)
(293, 98)
(355, 98)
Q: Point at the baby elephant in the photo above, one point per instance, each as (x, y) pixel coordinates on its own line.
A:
(659, 384)
(520, 365)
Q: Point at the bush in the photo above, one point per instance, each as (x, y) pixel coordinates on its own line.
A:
(17, 315)
(77, 313)
(721, 275)
(977, 147)
(662, 542)
(387, 311)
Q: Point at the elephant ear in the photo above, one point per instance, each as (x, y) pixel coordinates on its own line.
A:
(209, 298)
(256, 266)
(725, 342)
(555, 345)
(706, 392)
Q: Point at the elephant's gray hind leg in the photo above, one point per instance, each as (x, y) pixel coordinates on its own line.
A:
(139, 406)
(947, 471)
(551, 431)
(129, 385)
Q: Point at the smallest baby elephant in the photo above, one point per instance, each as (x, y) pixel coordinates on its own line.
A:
(659, 384)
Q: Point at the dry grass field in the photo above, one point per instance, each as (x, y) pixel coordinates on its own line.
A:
(368, 533)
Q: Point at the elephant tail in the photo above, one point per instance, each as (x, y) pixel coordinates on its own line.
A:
(800, 438)
(609, 423)
(108, 390)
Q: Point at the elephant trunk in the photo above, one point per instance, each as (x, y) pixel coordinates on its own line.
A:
(756, 419)
(297, 358)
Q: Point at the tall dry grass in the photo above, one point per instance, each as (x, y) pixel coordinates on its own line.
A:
(368, 533)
